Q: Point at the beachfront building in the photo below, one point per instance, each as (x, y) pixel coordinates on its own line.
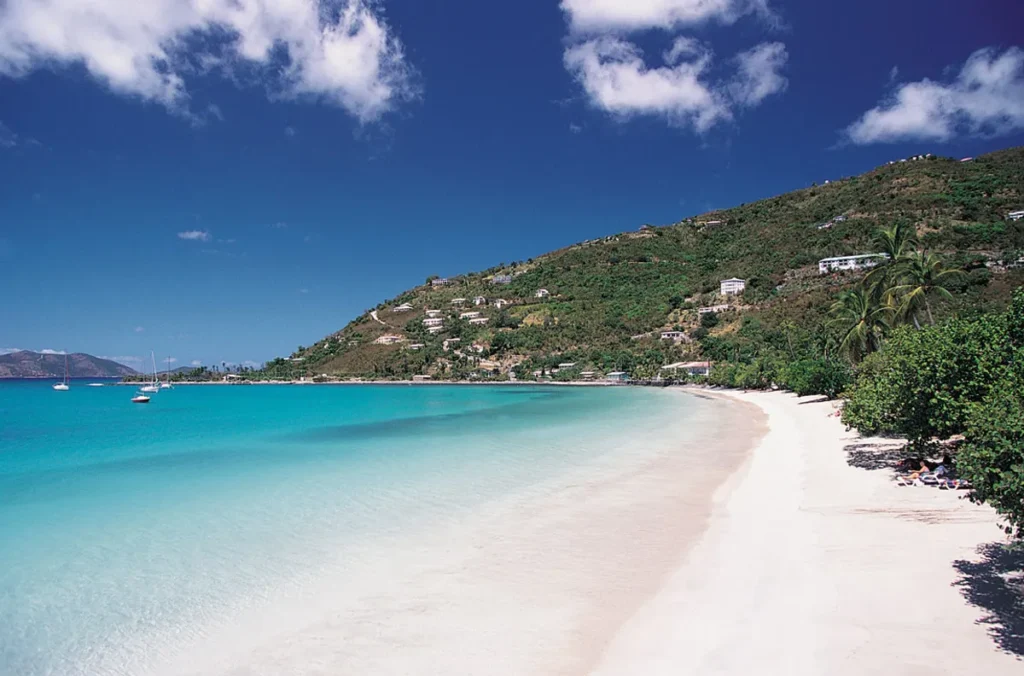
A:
(404, 307)
(1015, 215)
(500, 303)
(388, 339)
(433, 313)
(588, 375)
(713, 308)
(479, 321)
(421, 378)
(692, 368)
(841, 263)
(731, 287)
(541, 293)
(479, 300)
(617, 377)
(440, 281)
(674, 336)
(469, 315)
(501, 279)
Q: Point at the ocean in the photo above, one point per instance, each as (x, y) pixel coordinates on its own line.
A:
(338, 529)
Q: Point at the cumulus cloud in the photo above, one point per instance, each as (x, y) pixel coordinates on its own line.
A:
(140, 329)
(289, 131)
(195, 235)
(48, 351)
(9, 350)
(616, 79)
(985, 98)
(196, 362)
(8, 139)
(338, 51)
(606, 16)
(760, 74)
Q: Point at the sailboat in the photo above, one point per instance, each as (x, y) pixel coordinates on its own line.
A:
(166, 385)
(63, 386)
(153, 387)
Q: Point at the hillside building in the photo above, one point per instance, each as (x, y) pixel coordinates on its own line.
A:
(541, 293)
(842, 263)
(731, 287)
(1015, 215)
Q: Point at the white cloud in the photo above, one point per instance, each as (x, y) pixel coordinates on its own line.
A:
(986, 98)
(196, 362)
(213, 110)
(616, 79)
(575, 128)
(195, 235)
(759, 74)
(303, 290)
(289, 131)
(280, 225)
(48, 351)
(9, 350)
(171, 360)
(339, 51)
(126, 360)
(8, 139)
(607, 16)
(140, 329)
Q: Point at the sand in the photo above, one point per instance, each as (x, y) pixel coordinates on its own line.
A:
(812, 566)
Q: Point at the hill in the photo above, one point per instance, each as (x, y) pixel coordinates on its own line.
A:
(26, 364)
(603, 304)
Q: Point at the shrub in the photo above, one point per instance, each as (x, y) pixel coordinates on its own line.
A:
(816, 376)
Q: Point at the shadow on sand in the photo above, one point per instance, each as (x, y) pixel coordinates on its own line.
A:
(996, 585)
(875, 455)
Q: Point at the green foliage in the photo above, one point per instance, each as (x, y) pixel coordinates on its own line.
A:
(924, 384)
(816, 376)
(992, 457)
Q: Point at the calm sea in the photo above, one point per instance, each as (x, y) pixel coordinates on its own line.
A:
(131, 534)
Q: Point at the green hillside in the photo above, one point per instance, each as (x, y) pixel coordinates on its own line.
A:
(611, 298)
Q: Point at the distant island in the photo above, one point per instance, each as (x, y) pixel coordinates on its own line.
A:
(28, 364)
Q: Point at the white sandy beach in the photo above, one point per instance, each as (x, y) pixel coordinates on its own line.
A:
(813, 566)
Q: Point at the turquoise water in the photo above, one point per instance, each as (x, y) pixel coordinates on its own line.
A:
(127, 530)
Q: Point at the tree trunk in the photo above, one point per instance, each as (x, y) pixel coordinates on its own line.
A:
(928, 309)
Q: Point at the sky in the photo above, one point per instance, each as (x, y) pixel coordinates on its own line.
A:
(225, 180)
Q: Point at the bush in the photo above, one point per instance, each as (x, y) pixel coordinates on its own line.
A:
(816, 376)
(709, 320)
(992, 457)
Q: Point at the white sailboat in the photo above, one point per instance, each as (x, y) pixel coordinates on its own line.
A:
(166, 385)
(154, 386)
(63, 386)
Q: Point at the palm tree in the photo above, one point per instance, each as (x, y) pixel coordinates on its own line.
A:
(896, 242)
(917, 279)
(863, 322)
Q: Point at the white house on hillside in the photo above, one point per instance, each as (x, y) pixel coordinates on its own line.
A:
(469, 315)
(713, 308)
(500, 303)
(404, 307)
(479, 300)
(859, 262)
(674, 336)
(478, 320)
(501, 279)
(388, 339)
(433, 313)
(542, 293)
(440, 281)
(458, 301)
(433, 321)
(731, 287)
(1015, 215)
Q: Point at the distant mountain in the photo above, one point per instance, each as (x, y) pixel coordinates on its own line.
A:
(26, 364)
(637, 300)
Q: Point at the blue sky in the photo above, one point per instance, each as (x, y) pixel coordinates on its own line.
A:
(223, 181)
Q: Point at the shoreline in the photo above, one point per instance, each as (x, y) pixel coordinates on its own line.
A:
(811, 565)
